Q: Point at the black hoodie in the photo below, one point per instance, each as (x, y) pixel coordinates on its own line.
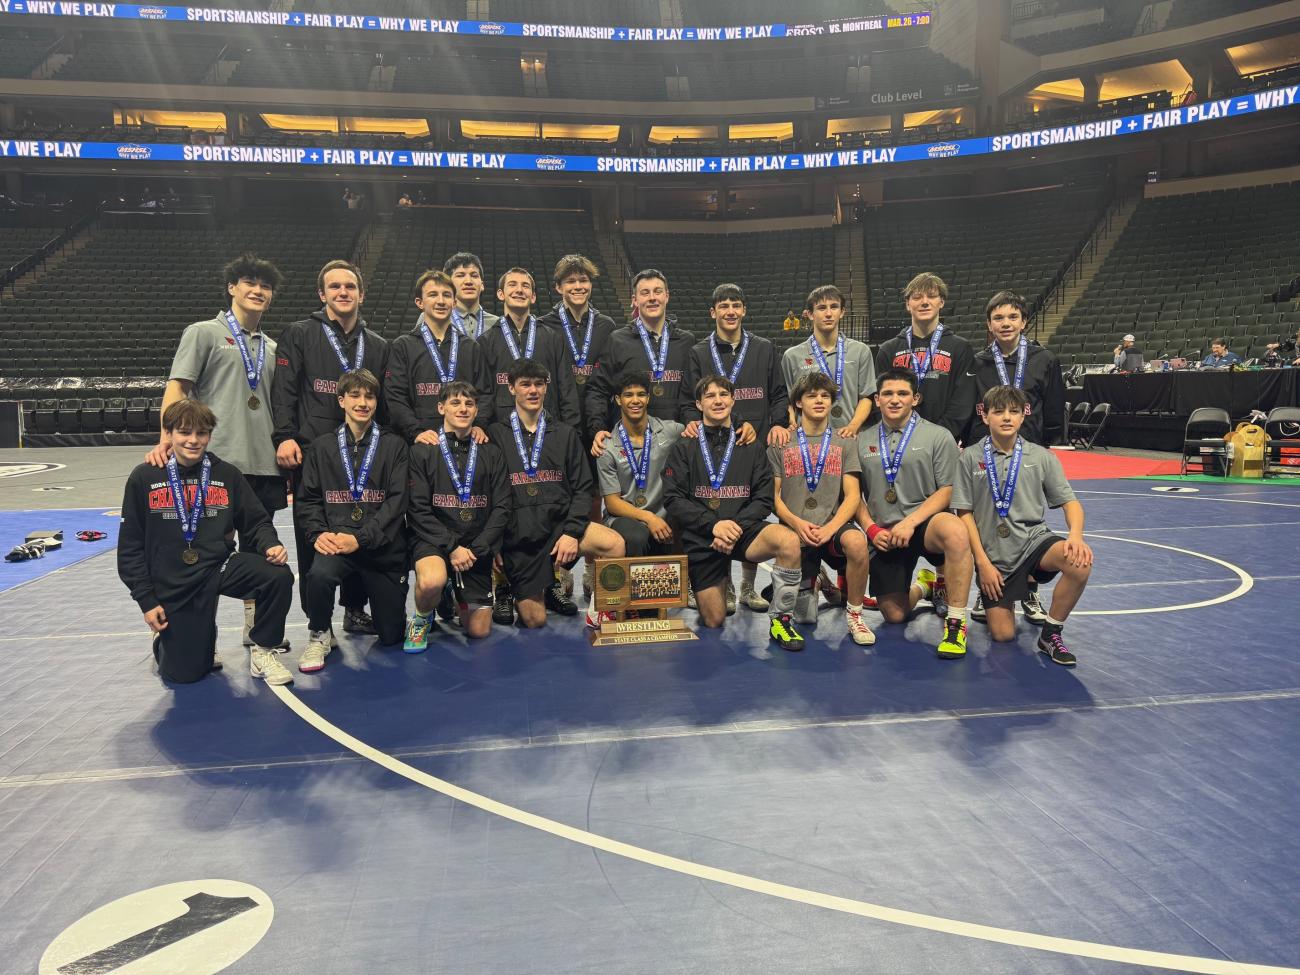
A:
(602, 328)
(413, 386)
(947, 388)
(1043, 384)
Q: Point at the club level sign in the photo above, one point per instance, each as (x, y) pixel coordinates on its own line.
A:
(198, 927)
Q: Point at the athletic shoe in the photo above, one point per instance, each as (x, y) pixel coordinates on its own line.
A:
(752, 600)
(588, 578)
(783, 632)
(858, 629)
(602, 616)
(953, 643)
(977, 611)
(1033, 609)
(565, 578)
(250, 608)
(830, 589)
(1050, 643)
(558, 601)
(358, 621)
(318, 648)
(690, 598)
(869, 602)
(939, 598)
(503, 605)
(417, 633)
(805, 606)
(264, 664)
(731, 598)
(925, 582)
(447, 603)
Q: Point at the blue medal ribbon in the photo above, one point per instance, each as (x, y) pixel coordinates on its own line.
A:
(820, 358)
(929, 358)
(458, 320)
(718, 475)
(463, 488)
(736, 364)
(640, 467)
(657, 363)
(189, 519)
(812, 477)
(251, 370)
(530, 461)
(1022, 355)
(892, 462)
(508, 326)
(357, 484)
(449, 373)
(1002, 499)
(338, 349)
(579, 359)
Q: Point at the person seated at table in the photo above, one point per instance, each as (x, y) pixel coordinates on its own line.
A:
(1220, 357)
(1127, 347)
(1282, 352)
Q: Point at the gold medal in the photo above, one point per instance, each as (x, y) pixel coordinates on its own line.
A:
(891, 495)
(1004, 530)
(838, 412)
(715, 503)
(466, 514)
(532, 490)
(189, 556)
(810, 504)
(641, 500)
(254, 403)
(658, 389)
(357, 513)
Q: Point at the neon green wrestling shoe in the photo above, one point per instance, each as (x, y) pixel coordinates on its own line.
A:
(783, 632)
(953, 643)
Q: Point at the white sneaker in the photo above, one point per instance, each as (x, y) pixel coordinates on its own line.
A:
(319, 644)
(690, 598)
(565, 578)
(751, 599)
(264, 664)
(731, 598)
(805, 606)
(1033, 609)
(858, 629)
(977, 611)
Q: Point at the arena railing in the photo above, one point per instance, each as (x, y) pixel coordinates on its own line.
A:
(54, 245)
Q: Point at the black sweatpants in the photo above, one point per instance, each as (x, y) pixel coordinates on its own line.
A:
(353, 591)
(185, 650)
(387, 589)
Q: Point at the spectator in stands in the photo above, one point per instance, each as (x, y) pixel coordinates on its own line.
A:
(404, 201)
(236, 387)
(550, 499)
(791, 323)
(1220, 357)
(816, 494)
(353, 500)
(1127, 344)
(1003, 485)
(942, 361)
(313, 353)
(175, 553)
(750, 362)
(351, 201)
(466, 270)
(1012, 360)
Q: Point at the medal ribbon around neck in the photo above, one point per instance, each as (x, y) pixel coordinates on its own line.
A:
(449, 373)
(736, 363)
(820, 358)
(718, 475)
(458, 320)
(338, 348)
(1022, 355)
(657, 364)
(507, 326)
(463, 488)
(1002, 499)
(892, 463)
(530, 462)
(251, 370)
(640, 466)
(189, 519)
(357, 485)
(929, 356)
(812, 477)
(579, 359)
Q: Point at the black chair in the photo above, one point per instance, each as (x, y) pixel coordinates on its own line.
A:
(115, 414)
(137, 414)
(1203, 440)
(1282, 448)
(92, 416)
(1077, 414)
(1087, 434)
(69, 416)
(46, 416)
(155, 413)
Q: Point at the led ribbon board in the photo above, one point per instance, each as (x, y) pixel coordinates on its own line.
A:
(419, 160)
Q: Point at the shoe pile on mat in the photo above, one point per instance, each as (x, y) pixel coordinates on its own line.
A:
(36, 545)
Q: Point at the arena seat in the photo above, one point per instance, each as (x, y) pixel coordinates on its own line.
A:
(115, 414)
(92, 415)
(137, 414)
(45, 416)
(140, 61)
(68, 416)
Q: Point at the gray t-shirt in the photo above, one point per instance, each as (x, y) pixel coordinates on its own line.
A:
(859, 373)
(787, 464)
(614, 467)
(471, 321)
(1041, 483)
(208, 357)
(929, 464)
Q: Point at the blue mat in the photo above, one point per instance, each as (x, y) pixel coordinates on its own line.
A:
(14, 526)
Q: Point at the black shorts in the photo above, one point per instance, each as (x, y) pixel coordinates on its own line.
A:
(529, 568)
(270, 490)
(1015, 584)
(707, 567)
(832, 553)
(475, 583)
(891, 572)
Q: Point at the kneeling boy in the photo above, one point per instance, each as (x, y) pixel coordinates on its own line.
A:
(176, 555)
(718, 493)
(353, 501)
(1004, 482)
(459, 509)
(817, 495)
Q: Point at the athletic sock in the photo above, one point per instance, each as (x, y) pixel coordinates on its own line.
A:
(957, 613)
(925, 589)
(853, 609)
(785, 588)
(1056, 623)
(591, 606)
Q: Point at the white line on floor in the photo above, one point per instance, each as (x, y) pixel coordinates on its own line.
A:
(1185, 497)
